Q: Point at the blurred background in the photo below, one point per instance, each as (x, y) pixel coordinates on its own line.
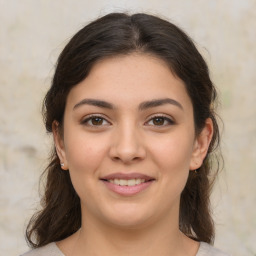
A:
(32, 35)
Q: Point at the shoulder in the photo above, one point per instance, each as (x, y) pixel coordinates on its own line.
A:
(208, 250)
(47, 250)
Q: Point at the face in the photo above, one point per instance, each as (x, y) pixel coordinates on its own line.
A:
(129, 141)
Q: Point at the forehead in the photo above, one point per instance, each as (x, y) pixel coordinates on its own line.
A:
(130, 79)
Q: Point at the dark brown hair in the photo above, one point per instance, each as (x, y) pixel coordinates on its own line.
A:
(122, 34)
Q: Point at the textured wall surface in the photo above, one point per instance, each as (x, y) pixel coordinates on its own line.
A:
(31, 36)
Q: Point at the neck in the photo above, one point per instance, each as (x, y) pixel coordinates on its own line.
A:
(163, 238)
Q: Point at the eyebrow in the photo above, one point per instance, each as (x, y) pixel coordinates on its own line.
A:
(94, 102)
(159, 102)
(143, 106)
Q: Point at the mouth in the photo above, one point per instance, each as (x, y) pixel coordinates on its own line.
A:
(127, 184)
(131, 179)
(130, 182)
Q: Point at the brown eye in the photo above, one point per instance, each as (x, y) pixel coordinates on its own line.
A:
(160, 121)
(95, 121)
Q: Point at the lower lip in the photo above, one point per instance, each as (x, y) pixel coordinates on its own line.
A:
(127, 190)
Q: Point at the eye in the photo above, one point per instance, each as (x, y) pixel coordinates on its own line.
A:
(160, 121)
(95, 121)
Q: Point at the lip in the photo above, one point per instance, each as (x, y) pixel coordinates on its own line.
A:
(127, 190)
(127, 176)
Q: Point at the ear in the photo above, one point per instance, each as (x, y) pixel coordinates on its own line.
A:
(201, 145)
(59, 145)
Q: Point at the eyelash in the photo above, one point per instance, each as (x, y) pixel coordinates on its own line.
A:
(164, 118)
(90, 118)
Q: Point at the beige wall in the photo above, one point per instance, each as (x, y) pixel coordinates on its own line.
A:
(31, 36)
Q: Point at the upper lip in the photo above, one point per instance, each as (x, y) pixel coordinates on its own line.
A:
(127, 176)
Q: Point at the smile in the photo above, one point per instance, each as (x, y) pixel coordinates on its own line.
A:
(131, 182)
(127, 184)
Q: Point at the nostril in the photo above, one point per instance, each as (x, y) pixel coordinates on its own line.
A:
(127, 152)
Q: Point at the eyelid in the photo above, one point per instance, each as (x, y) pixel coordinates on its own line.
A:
(165, 117)
(91, 116)
(87, 118)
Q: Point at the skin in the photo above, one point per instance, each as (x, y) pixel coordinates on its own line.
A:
(128, 138)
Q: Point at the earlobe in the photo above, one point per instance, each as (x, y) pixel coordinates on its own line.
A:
(59, 145)
(201, 145)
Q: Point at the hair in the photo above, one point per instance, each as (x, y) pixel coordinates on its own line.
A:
(113, 35)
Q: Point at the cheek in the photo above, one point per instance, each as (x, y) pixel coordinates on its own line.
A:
(171, 157)
(173, 153)
(84, 153)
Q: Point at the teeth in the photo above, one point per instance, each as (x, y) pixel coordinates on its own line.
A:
(116, 181)
(131, 182)
(138, 181)
(123, 182)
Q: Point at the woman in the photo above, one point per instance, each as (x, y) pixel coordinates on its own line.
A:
(131, 109)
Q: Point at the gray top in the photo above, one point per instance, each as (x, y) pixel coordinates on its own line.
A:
(53, 250)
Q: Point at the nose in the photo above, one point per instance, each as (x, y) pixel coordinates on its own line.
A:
(127, 145)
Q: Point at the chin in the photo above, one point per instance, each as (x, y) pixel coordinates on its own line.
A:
(129, 224)
(129, 217)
